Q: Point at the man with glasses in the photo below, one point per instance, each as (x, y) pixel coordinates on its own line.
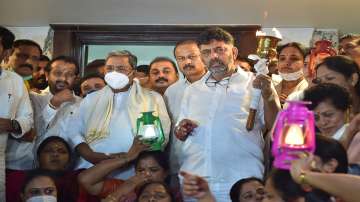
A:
(216, 144)
(54, 108)
(188, 58)
(105, 125)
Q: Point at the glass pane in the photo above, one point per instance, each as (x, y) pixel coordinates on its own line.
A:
(144, 52)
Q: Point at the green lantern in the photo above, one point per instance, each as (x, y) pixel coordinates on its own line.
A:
(150, 130)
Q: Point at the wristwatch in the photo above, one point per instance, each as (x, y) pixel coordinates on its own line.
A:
(15, 126)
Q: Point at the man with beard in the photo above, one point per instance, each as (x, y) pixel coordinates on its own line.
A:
(39, 82)
(105, 125)
(188, 58)
(54, 109)
(214, 111)
(163, 73)
(15, 116)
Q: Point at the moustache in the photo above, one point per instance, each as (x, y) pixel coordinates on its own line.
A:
(189, 66)
(161, 79)
(62, 83)
(216, 62)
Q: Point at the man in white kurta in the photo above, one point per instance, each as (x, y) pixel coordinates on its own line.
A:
(117, 134)
(187, 55)
(15, 116)
(216, 144)
(55, 107)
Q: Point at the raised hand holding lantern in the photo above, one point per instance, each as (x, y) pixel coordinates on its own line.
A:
(294, 131)
(266, 50)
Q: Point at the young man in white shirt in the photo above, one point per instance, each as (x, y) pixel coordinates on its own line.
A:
(54, 109)
(211, 124)
(188, 58)
(163, 73)
(16, 116)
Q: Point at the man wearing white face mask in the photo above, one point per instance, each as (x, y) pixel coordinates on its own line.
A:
(290, 66)
(106, 123)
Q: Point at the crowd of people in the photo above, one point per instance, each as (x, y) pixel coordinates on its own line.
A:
(69, 138)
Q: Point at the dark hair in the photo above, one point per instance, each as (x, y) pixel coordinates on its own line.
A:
(285, 185)
(44, 58)
(27, 42)
(343, 65)
(143, 68)
(7, 38)
(185, 42)
(164, 59)
(348, 36)
(217, 34)
(94, 65)
(90, 76)
(52, 139)
(32, 174)
(235, 189)
(328, 148)
(66, 59)
(327, 92)
(160, 157)
(296, 45)
(143, 187)
(124, 53)
(289, 190)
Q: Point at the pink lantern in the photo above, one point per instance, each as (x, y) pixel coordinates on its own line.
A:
(294, 131)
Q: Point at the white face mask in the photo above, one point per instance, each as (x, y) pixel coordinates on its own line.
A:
(292, 76)
(42, 198)
(116, 80)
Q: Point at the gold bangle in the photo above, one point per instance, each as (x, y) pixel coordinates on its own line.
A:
(302, 178)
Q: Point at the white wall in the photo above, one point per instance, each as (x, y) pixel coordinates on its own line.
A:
(279, 13)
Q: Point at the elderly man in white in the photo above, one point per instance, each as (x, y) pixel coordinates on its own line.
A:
(213, 116)
(105, 125)
(187, 55)
(16, 116)
(54, 108)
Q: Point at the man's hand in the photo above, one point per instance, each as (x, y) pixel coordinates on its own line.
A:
(195, 186)
(184, 128)
(263, 82)
(65, 95)
(5, 125)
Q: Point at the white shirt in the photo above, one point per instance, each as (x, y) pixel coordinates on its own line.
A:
(120, 136)
(220, 148)
(49, 121)
(15, 104)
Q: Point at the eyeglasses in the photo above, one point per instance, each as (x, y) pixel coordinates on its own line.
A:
(118, 68)
(217, 50)
(214, 83)
(190, 57)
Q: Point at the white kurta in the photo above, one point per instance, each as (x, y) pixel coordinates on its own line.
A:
(15, 104)
(173, 97)
(220, 148)
(51, 122)
(120, 136)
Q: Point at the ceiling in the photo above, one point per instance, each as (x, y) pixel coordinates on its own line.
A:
(268, 13)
